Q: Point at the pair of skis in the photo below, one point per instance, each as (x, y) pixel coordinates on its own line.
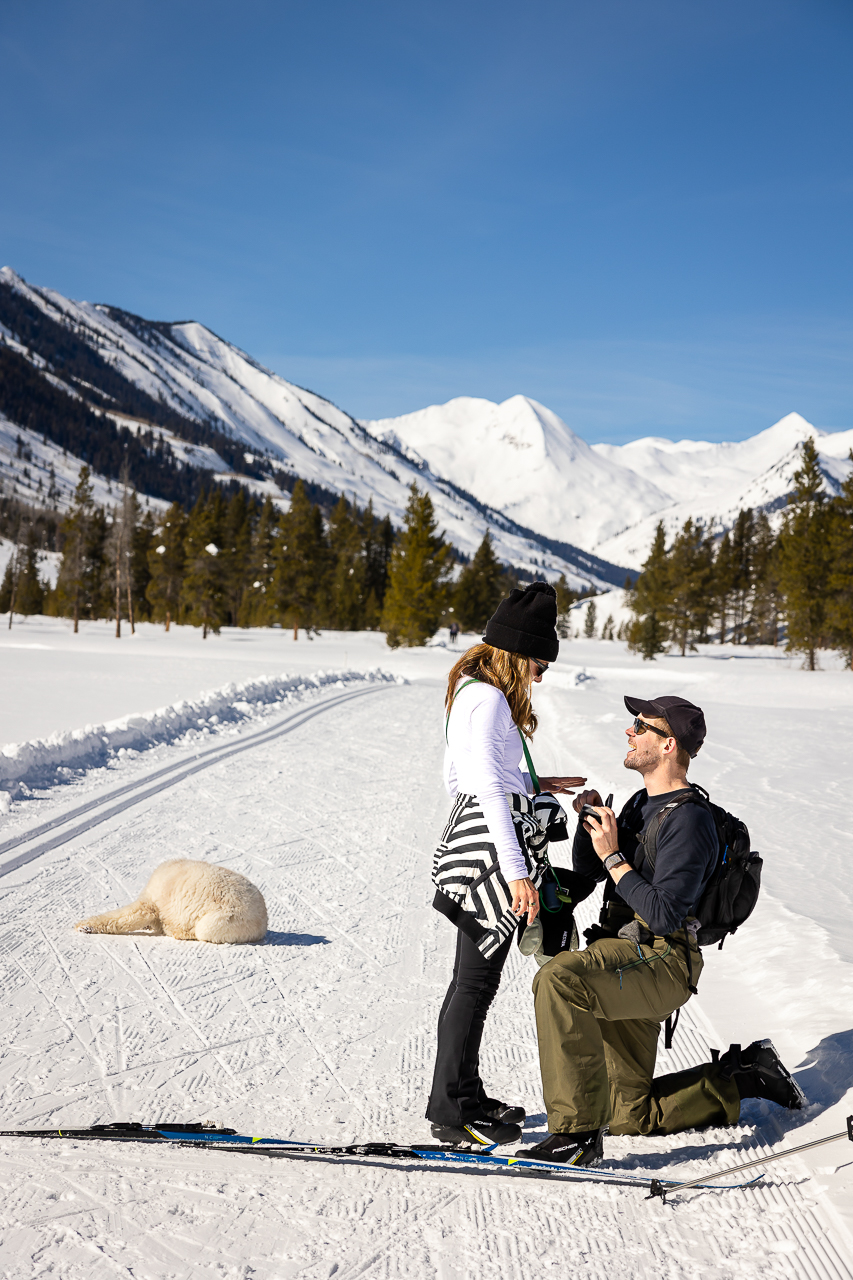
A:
(210, 1138)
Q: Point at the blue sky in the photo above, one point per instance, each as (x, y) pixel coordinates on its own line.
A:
(635, 211)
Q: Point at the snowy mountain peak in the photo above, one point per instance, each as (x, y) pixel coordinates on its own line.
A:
(525, 460)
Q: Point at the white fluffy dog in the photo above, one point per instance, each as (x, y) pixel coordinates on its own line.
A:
(192, 900)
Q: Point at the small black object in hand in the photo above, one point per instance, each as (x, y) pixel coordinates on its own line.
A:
(587, 810)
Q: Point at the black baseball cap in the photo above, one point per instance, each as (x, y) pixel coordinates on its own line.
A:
(686, 720)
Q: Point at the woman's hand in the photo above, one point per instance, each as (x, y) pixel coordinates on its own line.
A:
(561, 786)
(524, 898)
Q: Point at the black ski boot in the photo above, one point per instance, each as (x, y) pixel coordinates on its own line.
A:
(568, 1148)
(758, 1072)
(477, 1133)
(502, 1111)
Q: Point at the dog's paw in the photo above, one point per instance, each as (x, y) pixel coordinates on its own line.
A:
(83, 927)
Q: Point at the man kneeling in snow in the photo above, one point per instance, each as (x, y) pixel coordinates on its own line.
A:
(598, 1011)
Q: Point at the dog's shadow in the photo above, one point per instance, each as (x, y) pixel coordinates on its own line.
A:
(275, 939)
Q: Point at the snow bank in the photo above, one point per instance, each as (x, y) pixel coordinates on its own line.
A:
(45, 761)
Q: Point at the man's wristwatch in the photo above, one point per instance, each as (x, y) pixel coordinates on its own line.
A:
(612, 860)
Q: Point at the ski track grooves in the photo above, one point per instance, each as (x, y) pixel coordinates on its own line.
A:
(141, 789)
(323, 1034)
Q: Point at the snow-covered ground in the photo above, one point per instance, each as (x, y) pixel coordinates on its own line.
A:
(326, 1031)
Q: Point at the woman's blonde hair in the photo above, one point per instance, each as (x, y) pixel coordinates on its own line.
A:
(509, 672)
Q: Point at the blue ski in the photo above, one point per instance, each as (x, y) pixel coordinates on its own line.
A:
(210, 1138)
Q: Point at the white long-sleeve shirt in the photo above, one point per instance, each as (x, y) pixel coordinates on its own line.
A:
(483, 759)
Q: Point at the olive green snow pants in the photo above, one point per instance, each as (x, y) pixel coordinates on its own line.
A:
(598, 1016)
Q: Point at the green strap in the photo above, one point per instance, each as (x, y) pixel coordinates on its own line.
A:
(530, 769)
(533, 778)
(473, 680)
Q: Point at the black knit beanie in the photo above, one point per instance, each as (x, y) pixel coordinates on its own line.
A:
(526, 622)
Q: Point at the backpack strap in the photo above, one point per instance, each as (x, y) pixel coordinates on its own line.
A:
(649, 840)
(530, 769)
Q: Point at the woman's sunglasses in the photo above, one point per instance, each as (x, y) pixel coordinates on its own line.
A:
(639, 726)
(541, 667)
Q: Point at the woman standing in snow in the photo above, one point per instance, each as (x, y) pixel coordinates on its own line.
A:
(491, 854)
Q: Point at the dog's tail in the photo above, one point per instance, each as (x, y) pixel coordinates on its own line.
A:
(137, 915)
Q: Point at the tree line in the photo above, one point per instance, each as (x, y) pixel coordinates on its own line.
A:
(232, 560)
(754, 585)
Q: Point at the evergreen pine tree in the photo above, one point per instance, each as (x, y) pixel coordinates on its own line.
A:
(258, 605)
(607, 629)
(690, 567)
(479, 588)
(648, 632)
(201, 591)
(119, 551)
(804, 558)
(702, 595)
(102, 597)
(301, 562)
(589, 620)
(742, 551)
(140, 571)
(565, 599)
(166, 561)
(236, 535)
(348, 580)
(723, 583)
(378, 546)
(22, 590)
(74, 585)
(420, 565)
(763, 622)
(840, 584)
(6, 587)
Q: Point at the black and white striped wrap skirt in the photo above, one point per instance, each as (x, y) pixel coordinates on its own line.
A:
(470, 889)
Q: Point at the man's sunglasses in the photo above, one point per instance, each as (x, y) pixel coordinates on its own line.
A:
(541, 667)
(639, 726)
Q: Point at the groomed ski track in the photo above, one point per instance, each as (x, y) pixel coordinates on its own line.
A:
(323, 1034)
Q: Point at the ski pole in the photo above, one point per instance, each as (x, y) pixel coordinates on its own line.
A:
(658, 1188)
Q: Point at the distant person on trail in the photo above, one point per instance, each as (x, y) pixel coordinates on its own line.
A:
(454, 632)
(491, 856)
(598, 1011)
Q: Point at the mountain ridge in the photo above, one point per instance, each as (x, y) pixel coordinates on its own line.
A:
(205, 411)
(263, 430)
(611, 512)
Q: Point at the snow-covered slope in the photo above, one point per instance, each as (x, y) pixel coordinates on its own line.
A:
(208, 380)
(713, 482)
(521, 458)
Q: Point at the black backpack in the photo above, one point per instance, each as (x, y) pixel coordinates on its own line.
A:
(731, 892)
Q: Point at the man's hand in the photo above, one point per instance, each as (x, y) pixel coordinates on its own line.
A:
(524, 898)
(605, 834)
(561, 786)
(585, 797)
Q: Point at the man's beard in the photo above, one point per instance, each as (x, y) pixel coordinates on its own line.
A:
(640, 760)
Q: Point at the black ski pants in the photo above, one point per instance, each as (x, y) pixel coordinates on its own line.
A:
(457, 1094)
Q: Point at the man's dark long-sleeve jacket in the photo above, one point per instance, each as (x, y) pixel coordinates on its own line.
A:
(686, 855)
